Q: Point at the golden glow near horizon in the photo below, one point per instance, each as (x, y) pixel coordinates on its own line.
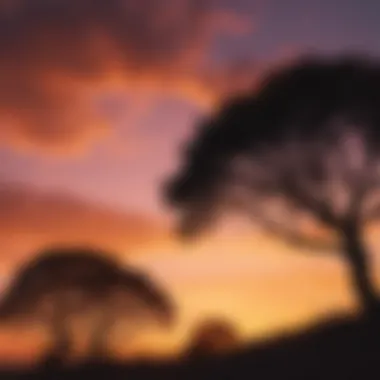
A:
(259, 284)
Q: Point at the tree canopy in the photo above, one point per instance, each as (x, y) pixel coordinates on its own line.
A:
(309, 136)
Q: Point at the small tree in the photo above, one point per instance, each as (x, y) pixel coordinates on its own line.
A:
(62, 284)
(305, 147)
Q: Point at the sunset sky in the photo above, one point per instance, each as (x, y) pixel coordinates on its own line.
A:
(97, 98)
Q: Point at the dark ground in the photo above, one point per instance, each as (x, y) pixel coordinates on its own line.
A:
(335, 349)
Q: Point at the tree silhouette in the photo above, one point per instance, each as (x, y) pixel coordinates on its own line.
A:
(66, 282)
(304, 147)
(212, 336)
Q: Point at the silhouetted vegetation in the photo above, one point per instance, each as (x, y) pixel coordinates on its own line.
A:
(212, 336)
(305, 146)
(61, 284)
(338, 349)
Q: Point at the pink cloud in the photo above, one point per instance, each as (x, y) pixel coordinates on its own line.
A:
(61, 55)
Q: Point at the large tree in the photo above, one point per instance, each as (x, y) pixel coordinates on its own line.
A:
(61, 284)
(303, 147)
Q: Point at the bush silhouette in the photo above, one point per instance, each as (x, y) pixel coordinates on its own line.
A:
(63, 283)
(211, 337)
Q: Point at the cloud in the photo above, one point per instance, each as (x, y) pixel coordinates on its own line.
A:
(59, 56)
(30, 219)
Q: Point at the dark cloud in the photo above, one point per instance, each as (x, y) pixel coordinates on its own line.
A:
(59, 55)
(31, 219)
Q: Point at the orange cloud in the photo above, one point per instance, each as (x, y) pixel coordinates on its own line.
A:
(30, 220)
(61, 55)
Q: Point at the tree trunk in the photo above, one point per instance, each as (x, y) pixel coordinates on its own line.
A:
(60, 351)
(358, 260)
(98, 340)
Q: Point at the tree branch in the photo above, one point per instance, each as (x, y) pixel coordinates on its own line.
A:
(294, 191)
(296, 238)
(284, 231)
